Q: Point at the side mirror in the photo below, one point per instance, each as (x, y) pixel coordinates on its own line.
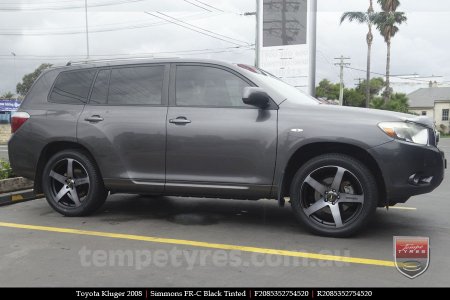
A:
(256, 96)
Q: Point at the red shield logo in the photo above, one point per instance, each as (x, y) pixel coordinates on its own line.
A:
(412, 255)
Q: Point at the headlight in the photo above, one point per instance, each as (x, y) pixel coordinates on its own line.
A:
(406, 131)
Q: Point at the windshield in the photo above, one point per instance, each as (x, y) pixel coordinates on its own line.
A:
(288, 91)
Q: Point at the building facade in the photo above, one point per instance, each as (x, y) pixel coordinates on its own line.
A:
(433, 102)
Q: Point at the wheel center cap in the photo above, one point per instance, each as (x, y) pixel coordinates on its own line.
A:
(70, 182)
(331, 196)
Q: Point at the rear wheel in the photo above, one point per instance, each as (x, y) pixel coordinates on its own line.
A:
(72, 184)
(334, 195)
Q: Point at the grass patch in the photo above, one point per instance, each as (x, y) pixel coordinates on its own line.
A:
(5, 170)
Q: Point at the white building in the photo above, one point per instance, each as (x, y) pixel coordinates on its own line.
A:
(433, 102)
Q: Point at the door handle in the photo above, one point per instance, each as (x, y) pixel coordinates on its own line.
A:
(180, 121)
(94, 119)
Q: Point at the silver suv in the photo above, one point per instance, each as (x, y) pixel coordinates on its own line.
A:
(211, 129)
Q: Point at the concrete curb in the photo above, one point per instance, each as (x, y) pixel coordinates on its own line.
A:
(20, 196)
(15, 184)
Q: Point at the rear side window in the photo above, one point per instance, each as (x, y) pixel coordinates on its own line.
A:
(72, 87)
(100, 90)
(136, 85)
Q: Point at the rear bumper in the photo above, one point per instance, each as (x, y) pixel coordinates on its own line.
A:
(409, 169)
(23, 155)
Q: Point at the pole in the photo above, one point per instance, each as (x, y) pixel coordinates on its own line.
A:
(14, 66)
(312, 46)
(87, 29)
(258, 33)
(342, 64)
(258, 30)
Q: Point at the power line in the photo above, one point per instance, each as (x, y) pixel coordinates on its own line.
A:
(46, 2)
(192, 29)
(37, 8)
(395, 76)
(206, 4)
(94, 30)
(186, 52)
(197, 5)
(212, 32)
(149, 56)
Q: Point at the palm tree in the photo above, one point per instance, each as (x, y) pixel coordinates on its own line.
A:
(387, 23)
(389, 5)
(364, 18)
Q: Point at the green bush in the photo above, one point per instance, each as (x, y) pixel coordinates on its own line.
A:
(5, 170)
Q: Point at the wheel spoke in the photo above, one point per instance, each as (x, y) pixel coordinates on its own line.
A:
(349, 198)
(80, 181)
(70, 167)
(315, 207)
(338, 178)
(61, 193)
(74, 197)
(335, 211)
(58, 177)
(320, 188)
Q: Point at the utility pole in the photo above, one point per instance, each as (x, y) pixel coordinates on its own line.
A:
(14, 62)
(87, 29)
(359, 80)
(342, 64)
(258, 31)
(312, 40)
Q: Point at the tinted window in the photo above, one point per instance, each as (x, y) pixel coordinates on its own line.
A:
(100, 90)
(72, 87)
(136, 85)
(207, 86)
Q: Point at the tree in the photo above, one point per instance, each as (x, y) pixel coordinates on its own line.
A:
(389, 5)
(387, 23)
(375, 86)
(352, 97)
(28, 80)
(399, 103)
(357, 96)
(7, 96)
(368, 19)
(327, 90)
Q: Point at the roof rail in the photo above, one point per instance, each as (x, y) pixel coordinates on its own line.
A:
(87, 61)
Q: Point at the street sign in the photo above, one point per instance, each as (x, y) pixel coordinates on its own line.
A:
(288, 40)
(9, 105)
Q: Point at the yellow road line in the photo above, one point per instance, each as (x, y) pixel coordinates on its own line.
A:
(354, 260)
(402, 207)
(16, 197)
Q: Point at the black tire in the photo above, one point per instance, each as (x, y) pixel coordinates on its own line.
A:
(84, 184)
(341, 211)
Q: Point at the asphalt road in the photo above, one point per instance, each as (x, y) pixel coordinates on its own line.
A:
(220, 242)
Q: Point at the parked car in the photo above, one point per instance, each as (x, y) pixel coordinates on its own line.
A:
(211, 129)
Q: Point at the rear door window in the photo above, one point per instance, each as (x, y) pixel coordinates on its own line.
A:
(136, 85)
(72, 87)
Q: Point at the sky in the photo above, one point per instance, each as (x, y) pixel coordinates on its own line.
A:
(53, 31)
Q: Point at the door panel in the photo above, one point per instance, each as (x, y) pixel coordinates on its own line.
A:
(128, 141)
(218, 151)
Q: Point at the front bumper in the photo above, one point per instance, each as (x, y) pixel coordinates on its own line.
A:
(409, 169)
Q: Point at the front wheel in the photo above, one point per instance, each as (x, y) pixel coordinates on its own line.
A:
(334, 195)
(72, 184)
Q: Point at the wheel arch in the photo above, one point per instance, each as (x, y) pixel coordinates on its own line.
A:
(309, 151)
(51, 149)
